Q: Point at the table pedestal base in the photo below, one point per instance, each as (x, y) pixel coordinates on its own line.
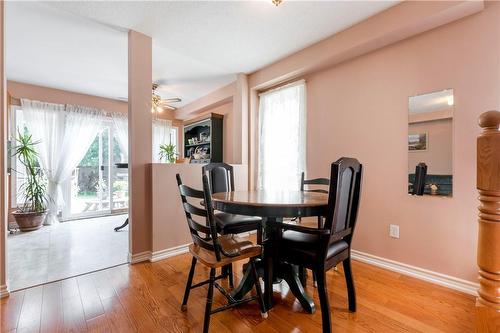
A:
(284, 271)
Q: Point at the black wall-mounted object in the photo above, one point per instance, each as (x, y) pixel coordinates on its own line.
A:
(205, 135)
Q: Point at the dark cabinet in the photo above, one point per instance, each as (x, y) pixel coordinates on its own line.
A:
(203, 140)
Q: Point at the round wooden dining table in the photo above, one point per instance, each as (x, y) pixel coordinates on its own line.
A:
(273, 206)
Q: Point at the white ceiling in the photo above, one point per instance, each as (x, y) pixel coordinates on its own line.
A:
(198, 46)
(434, 101)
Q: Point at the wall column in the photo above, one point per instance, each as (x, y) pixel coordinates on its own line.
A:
(3, 161)
(139, 143)
(488, 251)
(240, 120)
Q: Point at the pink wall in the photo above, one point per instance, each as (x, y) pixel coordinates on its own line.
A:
(360, 108)
(220, 96)
(169, 222)
(19, 90)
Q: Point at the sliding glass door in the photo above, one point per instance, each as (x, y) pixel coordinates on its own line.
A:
(97, 187)
(87, 191)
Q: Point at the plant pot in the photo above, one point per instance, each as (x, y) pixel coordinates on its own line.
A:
(29, 221)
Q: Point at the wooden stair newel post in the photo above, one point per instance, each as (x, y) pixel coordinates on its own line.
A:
(488, 252)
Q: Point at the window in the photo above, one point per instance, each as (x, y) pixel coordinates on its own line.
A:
(173, 137)
(282, 137)
(163, 133)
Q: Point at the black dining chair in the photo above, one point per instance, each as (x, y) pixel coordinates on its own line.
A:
(221, 179)
(323, 248)
(214, 251)
(316, 182)
(312, 185)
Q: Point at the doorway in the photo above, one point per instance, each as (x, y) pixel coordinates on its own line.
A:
(98, 186)
(95, 201)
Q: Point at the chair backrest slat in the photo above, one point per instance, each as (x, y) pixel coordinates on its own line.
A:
(194, 210)
(205, 243)
(198, 227)
(315, 181)
(191, 192)
(343, 200)
(317, 191)
(220, 176)
(210, 241)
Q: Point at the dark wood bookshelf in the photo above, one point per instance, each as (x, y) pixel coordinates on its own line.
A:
(206, 136)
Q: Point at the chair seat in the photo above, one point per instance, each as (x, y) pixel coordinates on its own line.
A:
(231, 244)
(304, 246)
(235, 224)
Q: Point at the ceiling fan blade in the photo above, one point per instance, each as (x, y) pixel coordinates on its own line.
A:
(162, 82)
(170, 107)
(171, 100)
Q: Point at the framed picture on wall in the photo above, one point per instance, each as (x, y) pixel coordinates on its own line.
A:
(418, 142)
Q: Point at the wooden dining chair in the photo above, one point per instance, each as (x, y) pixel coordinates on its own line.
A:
(312, 185)
(221, 179)
(315, 182)
(321, 249)
(214, 251)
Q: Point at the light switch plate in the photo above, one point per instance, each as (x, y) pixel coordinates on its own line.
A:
(394, 230)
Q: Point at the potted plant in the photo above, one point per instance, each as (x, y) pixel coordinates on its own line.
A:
(168, 153)
(120, 188)
(31, 214)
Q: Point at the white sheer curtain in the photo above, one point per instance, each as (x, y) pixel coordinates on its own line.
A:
(282, 137)
(161, 135)
(65, 133)
(120, 122)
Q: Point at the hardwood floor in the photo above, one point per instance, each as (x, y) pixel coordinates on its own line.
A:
(146, 297)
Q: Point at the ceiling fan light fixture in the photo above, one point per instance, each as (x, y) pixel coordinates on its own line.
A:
(276, 2)
(158, 104)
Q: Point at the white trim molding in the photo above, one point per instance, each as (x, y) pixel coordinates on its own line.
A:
(4, 291)
(139, 257)
(167, 253)
(417, 272)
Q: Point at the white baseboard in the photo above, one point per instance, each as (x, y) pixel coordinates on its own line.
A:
(417, 272)
(139, 257)
(167, 253)
(4, 291)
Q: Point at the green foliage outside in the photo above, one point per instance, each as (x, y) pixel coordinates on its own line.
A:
(91, 159)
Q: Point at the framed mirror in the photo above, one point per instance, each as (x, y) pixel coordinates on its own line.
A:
(430, 144)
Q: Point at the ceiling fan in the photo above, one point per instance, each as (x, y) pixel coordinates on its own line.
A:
(159, 104)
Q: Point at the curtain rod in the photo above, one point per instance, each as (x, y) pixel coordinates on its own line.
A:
(282, 86)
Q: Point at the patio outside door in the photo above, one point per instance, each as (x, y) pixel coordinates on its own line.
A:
(87, 193)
